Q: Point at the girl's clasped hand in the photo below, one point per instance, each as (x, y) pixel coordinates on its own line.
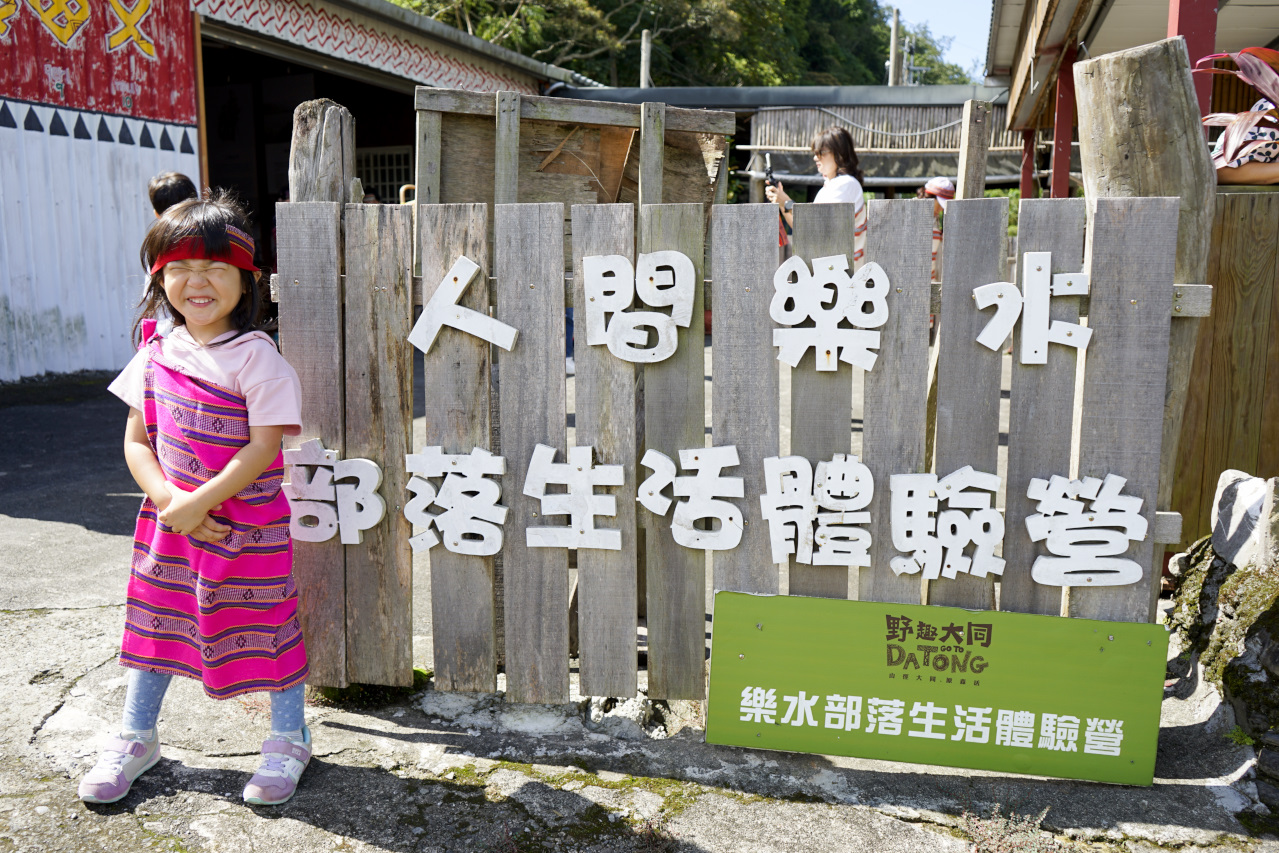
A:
(211, 593)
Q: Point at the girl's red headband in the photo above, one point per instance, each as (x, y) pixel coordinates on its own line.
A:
(239, 251)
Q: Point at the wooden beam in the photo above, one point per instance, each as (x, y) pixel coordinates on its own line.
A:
(571, 110)
(506, 149)
(1063, 125)
(1196, 22)
(1029, 186)
(652, 152)
(974, 143)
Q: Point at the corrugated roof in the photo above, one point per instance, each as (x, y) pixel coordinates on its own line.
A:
(753, 98)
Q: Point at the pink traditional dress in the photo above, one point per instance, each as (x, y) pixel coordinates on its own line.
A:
(223, 612)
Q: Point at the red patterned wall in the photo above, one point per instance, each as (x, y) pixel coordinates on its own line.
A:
(110, 56)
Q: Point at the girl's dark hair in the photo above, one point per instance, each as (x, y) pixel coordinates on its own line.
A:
(839, 142)
(205, 219)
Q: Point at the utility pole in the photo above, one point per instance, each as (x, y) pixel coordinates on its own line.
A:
(646, 58)
(894, 58)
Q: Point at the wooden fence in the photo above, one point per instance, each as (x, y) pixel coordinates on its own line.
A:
(1232, 412)
(348, 339)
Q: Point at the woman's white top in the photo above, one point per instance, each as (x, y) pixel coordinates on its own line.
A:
(844, 189)
(840, 189)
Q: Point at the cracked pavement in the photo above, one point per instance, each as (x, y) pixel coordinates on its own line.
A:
(445, 772)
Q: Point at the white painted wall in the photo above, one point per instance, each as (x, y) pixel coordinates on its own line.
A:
(73, 213)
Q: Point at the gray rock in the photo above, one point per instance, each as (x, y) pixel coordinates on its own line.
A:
(1269, 657)
(1238, 505)
(1268, 794)
(1268, 763)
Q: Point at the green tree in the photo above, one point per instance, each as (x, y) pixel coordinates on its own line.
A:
(695, 42)
(926, 53)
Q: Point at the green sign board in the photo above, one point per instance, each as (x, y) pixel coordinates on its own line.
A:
(1012, 692)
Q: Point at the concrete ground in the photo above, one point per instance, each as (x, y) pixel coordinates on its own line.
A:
(430, 771)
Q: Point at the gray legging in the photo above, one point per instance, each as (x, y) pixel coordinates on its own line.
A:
(146, 691)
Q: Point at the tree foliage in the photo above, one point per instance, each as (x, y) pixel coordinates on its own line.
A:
(698, 42)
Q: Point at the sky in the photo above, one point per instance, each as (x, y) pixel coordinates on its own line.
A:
(968, 21)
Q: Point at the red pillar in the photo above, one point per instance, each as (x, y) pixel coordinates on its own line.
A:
(1196, 22)
(1028, 185)
(1063, 123)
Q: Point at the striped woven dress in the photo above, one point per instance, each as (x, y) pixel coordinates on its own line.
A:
(223, 612)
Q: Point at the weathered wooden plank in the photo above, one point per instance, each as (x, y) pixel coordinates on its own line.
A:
(539, 108)
(426, 178)
(1039, 431)
(899, 238)
(379, 426)
(652, 152)
(674, 408)
(457, 418)
(605, 419)
(1244, 281)
(1132, 244)
(506, 149)
(974, 142)
(967, 372)
(1268, 456)
(322, 153)
(530, 273)
(821, 403)
(744, 390)
(1188, 496)
(309, 236)
(1116, 98)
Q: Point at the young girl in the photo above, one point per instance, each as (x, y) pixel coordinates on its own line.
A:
(211, 594)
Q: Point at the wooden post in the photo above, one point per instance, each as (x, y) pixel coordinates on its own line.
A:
(1196, 22)
(1063, 124)
(506, 149)
(1039, 431)
(309, 238)
(202, 126)
(605, 386)
(426, 175)
(652, 152)
(967, 372)
(974, 145)
(457, 417)
(1131, 245)
(899, 238)
(821, 403)
(378, 384)
(1143, 100)
(322, 154)
(309, 233)
(529, 262)
(744, 257)
(674, 408)
(1029, 186)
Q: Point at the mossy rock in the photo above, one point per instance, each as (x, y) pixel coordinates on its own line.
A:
(1229, 616)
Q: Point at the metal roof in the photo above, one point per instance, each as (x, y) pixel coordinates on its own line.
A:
(753, 98)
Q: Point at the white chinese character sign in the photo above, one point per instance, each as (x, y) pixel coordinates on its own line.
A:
(661, 280)
(937, 685)
(844, 307)
(465, 489)
(329, 496)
